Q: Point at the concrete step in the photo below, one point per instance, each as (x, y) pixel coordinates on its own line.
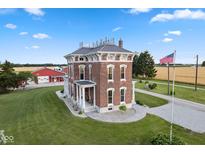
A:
(90, 109)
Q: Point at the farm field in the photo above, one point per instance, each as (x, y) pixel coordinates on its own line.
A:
(38, 117)
(184, 93)
(30, 69)
(183, 74)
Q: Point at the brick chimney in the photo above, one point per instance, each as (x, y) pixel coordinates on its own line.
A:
(120, 43)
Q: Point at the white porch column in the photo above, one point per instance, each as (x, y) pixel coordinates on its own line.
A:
(77, 94)
(80, 96)
(94, 99)
(133, 91)
(83, 90)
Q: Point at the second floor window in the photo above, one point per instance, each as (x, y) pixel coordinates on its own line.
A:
(122, 72)
(110, 73)
(90, 72)
(81, 72)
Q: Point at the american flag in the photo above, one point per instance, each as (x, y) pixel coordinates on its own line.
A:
(167, 59)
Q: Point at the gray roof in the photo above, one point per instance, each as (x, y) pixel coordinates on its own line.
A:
(102, 48)
(85, 82)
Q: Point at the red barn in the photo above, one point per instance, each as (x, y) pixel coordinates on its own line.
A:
(47, 75)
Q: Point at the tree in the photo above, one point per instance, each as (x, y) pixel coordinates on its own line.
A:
(7, 67)
(134, 66)
(10, 79)
(144, 65)
(203, 64)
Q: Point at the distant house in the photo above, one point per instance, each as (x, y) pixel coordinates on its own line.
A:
(100, 78)
(47, 75)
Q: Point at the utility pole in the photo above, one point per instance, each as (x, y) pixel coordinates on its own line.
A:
(168, 79)
(196, 77)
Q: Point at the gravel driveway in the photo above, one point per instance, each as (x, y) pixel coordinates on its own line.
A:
(187, 114)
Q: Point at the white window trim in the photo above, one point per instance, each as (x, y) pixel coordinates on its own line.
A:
(113, 90)
(125, 89)
(125, 67)
(69, 71)
(109, 55)
(72, 71)
(90, 72)
(83, 66)
(113, 67)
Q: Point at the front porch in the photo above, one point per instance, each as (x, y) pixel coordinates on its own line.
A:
(85, 95)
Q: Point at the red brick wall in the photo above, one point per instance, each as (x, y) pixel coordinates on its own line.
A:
(104, 84)
(99, 75)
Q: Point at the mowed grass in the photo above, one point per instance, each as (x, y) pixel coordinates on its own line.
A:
(39, 117)
(149, 101)
(184, 93)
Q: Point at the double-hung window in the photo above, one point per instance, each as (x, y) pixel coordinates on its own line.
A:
(82, 72)
(122, 94)
(110, 72)
(123, 72)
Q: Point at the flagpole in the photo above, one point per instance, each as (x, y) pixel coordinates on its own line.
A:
(172, 105)
(168, 79)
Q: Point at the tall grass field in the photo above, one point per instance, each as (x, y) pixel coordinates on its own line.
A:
(183, 74)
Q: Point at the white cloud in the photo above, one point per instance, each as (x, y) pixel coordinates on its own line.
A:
(179, 14)
(35, 47)
(116, 29)
(23, 33)
(177, 32)
(6, 11)
(10, 26)
(35, 11)
(40, 36)
(136, 11)
(166, 40)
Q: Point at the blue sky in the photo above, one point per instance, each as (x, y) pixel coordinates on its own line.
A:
(46, 35)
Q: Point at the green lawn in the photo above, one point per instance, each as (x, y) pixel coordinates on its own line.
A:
(39, 117)
(184, 93)
(149, 101)
(178, 83)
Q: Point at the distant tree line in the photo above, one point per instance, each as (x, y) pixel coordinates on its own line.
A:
(36, 65)
(203, 64)
(181, 65)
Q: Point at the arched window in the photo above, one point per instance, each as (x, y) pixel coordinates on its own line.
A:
(122, 94)
(81, 72)
(90, 71)
(123, 72)
(110, 72)
(110, 95)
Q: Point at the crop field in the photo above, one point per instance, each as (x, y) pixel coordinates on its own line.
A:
(30, 69)
(183, 74)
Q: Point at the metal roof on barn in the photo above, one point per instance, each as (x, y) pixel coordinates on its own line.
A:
(47, 72)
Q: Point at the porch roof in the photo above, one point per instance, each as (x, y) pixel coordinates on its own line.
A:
(85, 83)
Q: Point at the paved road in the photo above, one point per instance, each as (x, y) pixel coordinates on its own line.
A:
(187, 114)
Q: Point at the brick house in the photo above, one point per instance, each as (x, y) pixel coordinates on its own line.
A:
(100, 78)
